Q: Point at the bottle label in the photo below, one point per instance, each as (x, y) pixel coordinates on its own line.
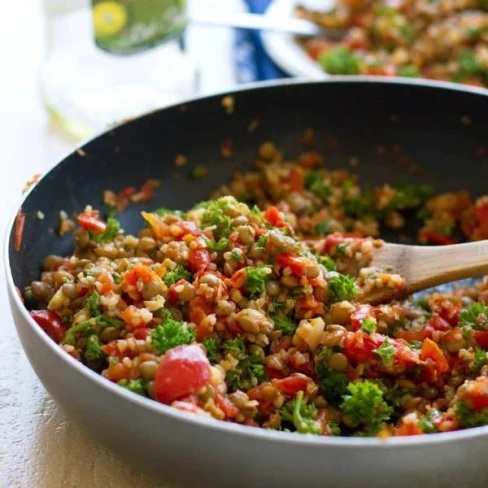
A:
(129, 26)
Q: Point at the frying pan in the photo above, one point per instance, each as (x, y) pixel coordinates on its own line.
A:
(390, 126)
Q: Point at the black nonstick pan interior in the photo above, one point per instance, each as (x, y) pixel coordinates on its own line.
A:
(391, 127)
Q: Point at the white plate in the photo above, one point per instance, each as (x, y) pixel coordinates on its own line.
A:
(282, 48)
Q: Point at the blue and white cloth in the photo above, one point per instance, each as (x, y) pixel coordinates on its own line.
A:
(251, 61)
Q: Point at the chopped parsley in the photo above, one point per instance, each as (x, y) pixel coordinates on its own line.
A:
(386, 351)
(262, 241)
(256, 277)
(365, 406)
(426, 423)
(368, 324)
(474, 316)
(212, 347)
(314, 182)
(179, 272)
(408, 71)
(236, 347)
(89, 327)
(136, 386)
(215, 215)
(93, 350)
(247, 373)
(342, 287)
(170, 334)
(332, 384)
(93, 303)
(220, 246)
(284, 324)
(111, 230)
(480, 359)
(322, 228)
(326, 262)
(340, 61)
(301, 415)
(471, 418)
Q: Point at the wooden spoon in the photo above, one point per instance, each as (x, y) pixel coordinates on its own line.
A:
(424, 267)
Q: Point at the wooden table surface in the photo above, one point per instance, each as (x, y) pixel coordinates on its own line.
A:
(39, 446)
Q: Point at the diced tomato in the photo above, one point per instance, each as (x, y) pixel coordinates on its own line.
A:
(296, 180)
(198, 259)
(409, 428)
(431, 350)
(230, 410)
(274, 374)
(446, 309)
(475, 393)
(273, 216)
(139, 272)
(19, 230)
(238, 279)
(89, 220)
(332, 241)
(81, 289)
(295, 263)
(291, 385)
(481, 338)
(182, 371)
(426, 331)
(51, 323)
(141, 333)
(436, 238)
(359, 346)
(361, 312)
(405, 355)
(301, 362)
(438, 323)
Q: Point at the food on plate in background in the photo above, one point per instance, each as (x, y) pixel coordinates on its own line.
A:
(445, 40)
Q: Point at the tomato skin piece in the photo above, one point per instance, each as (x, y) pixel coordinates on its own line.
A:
(91, 221)
(273, 216)
(295, 263)
(359, 347)
(230, 410)
(291, 385)
(431, 350)
(436, 238)
(438, 323)
(51, 323)
(409, 429)
(362, 312)
(182, 371)
(481, 338)
(198, 259)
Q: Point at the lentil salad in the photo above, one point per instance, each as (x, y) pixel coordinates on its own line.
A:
(226, 311)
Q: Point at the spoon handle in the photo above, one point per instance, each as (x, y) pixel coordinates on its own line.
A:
(290, 25)
(427, 266)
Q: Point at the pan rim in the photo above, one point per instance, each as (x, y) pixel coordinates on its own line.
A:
(209, 423)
